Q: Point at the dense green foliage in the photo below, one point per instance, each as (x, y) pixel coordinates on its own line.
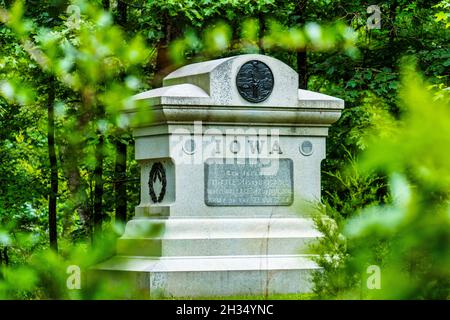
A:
(406, 236)
(65, 71)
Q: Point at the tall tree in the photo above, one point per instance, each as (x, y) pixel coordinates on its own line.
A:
(105, 4)
(53, 194)
(120, 165)
(120, 182)
(98, 177)
(302, 55)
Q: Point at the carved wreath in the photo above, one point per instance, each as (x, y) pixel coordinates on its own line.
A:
(157, 173)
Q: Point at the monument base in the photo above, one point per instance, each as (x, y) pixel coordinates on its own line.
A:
(212, 276)
(183, 258)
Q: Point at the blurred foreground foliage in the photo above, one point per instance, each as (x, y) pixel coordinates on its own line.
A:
(407, 235)
(64, 275)
(386, 176)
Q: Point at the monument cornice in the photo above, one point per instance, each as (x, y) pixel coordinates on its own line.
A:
(209, 92)
(220, 114)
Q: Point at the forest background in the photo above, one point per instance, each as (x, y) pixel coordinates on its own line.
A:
(69, 182)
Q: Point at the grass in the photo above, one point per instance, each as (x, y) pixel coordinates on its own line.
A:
(292, 296)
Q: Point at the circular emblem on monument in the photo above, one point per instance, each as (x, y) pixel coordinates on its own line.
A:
(306, 148)
(254, 81)
(189, 146)
(157, 177)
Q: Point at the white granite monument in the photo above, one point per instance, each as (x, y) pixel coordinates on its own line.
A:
(229, 164)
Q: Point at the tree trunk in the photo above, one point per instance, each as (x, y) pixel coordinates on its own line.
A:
(302, 69)
(77, 188)
(262, 30)
(105, 4)
(120, 166)
(120, 186)
(52, 197)
(302, 56)
(392, 16)
(72, 153)
(98, 188)
(5, 256)
(122, 13)
(163, 62)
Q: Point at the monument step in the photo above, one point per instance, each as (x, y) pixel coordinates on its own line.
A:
(217, 236)
(209, 263)
(210, 276)
(200, 227)
(213, 246)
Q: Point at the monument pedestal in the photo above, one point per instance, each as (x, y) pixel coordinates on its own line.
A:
(229, 163)
(216, 257)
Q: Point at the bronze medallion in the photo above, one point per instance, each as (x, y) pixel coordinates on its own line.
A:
(254, 81)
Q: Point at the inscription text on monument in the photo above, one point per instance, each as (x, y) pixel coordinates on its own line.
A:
(263, 182)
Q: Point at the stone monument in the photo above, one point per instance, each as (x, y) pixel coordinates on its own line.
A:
(229, 163)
